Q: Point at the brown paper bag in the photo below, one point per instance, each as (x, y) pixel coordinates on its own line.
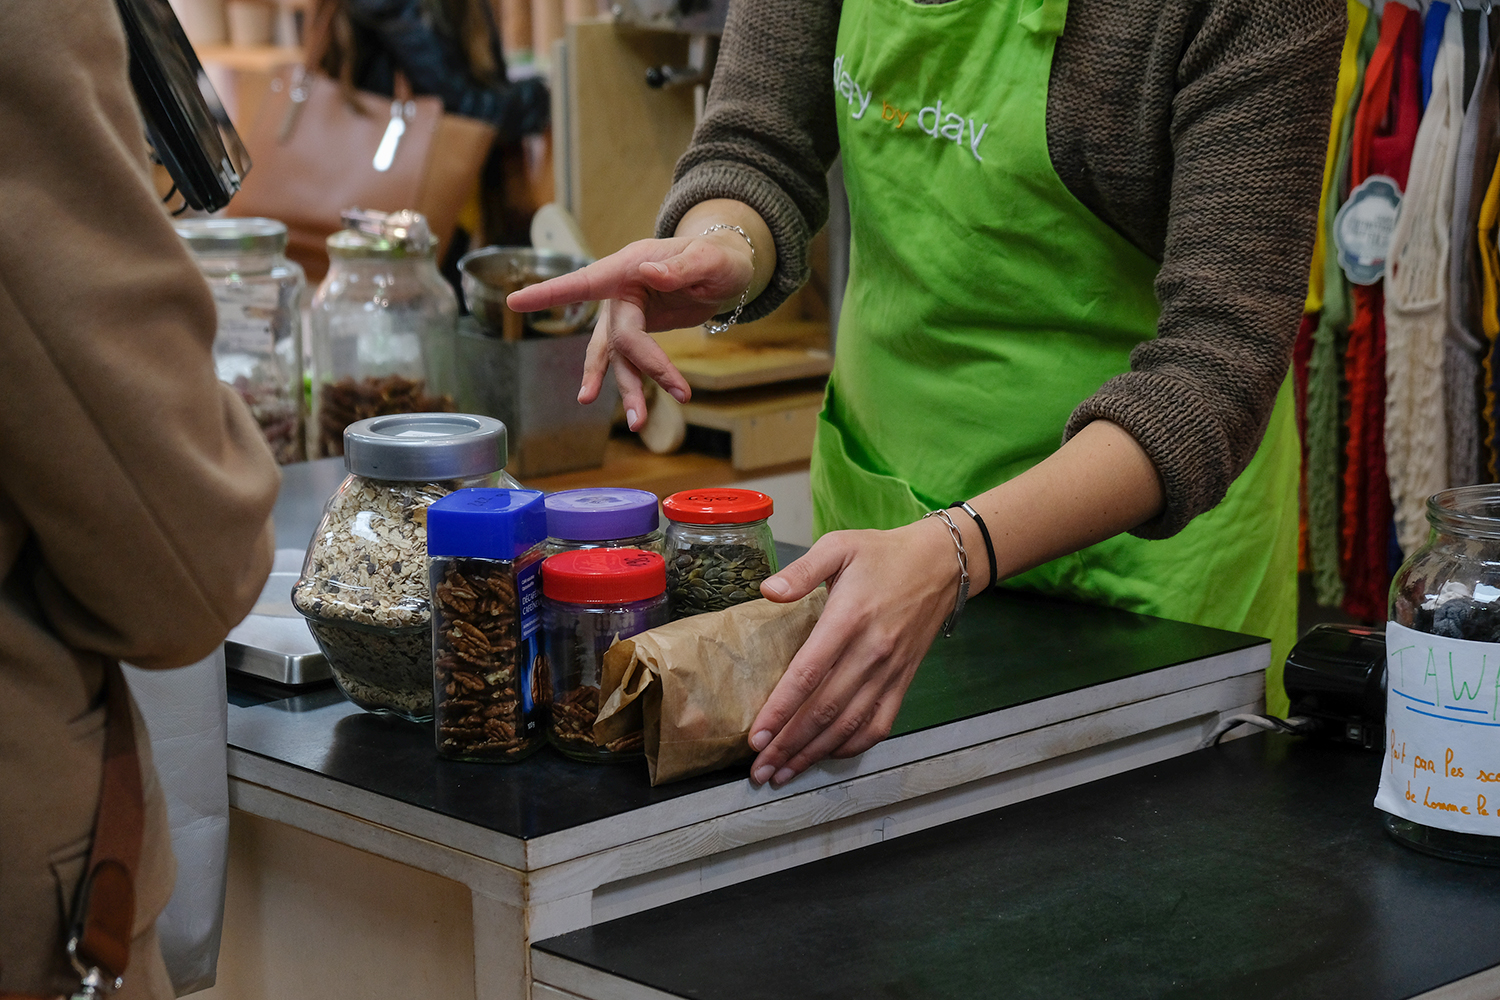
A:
(696, 685)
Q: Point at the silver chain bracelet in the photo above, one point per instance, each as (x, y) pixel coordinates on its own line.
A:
(963, 570)
(714, 326)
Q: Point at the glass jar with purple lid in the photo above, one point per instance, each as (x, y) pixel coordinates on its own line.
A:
(603, 518)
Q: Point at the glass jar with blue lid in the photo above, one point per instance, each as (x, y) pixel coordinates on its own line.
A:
(489, 681)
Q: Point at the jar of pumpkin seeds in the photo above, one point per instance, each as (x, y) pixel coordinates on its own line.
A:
(719, 549)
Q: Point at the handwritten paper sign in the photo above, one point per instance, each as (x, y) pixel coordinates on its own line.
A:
(1442, 712)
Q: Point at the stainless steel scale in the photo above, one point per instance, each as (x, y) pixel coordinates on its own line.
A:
(273, 642)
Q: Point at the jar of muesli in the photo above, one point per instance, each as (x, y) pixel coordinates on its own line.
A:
(382, 327)
(489, 685)
(603, 518)
(258, 345)
(591, 598)
(363, 588)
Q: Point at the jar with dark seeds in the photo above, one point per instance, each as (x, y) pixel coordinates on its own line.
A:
(719, 549)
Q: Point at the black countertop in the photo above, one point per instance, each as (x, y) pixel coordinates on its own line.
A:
(1010, 649)
(1254, 870)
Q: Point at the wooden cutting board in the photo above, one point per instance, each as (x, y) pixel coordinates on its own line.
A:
(786, 352)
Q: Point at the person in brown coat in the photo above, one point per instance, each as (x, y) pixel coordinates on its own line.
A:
(135, 489)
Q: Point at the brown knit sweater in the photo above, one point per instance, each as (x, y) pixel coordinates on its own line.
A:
(1196, 128)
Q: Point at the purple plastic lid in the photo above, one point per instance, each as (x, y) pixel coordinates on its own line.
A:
(600, 514)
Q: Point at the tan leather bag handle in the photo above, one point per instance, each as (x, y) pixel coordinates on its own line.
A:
(104, 911)
(103, 916)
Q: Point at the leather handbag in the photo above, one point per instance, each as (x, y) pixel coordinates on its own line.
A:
(100, 931)
(319, 147)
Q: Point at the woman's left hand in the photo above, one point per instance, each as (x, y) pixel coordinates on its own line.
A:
(888, 594)
(889, 591)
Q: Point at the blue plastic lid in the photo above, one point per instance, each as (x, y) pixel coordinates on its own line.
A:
(486, 523)
(599, 514)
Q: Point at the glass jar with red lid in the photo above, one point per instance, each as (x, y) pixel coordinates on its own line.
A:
(719, 549)
(590, 598)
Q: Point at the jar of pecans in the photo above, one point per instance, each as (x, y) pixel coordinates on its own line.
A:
(489, 680)
(382, 327)
(603, 518)
(593, 597)
(719, 549)
(363, 588)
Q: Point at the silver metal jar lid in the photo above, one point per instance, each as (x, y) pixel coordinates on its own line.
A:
(425, 447)
(232, 236)
(385, 235)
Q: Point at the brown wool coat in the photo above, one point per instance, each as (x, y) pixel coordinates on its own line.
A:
(135, 489)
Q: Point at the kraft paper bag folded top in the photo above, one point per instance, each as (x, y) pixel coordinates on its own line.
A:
(695, 686)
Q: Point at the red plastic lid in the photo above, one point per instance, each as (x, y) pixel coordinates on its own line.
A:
(717, 506)
(604, 576)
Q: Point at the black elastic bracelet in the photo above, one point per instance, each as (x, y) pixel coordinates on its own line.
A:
(984, 532)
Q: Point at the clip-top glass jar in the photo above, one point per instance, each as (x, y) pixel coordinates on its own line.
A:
(603, 517)
(258, 345)
(592, 598)
(719, 549)
(1442, 678)
(484, 550)
(382, 333)
(363, 588)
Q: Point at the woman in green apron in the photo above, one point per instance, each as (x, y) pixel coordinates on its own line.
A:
(990, 315)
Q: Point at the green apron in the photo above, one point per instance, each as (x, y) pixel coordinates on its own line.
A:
(985, 302)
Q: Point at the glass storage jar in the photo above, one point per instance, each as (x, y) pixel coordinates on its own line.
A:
(603, 518)
(591, 598)
(258, 345)
(719, 549)
(484, 550)
(1443, 684)
(363, 588)
(382, 334)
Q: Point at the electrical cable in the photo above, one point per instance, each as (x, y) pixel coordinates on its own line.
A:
(1299, 725)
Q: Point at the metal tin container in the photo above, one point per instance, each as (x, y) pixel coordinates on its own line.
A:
(532, 385)
(489, 274)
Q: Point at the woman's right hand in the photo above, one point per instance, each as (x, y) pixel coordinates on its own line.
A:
(650, 285)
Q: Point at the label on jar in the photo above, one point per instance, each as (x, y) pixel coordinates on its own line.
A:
(247, 314)
(529, 597)
(1442, 754)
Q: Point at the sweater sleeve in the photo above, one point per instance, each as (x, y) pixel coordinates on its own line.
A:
(1249, 128)
(768, 136)
(136, 487)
